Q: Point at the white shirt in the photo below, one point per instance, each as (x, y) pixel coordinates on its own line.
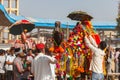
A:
(41, 67)
(97, 58)
(30, 58)
(2, 62)
(10, 58)
(53, 66)
(116, 56)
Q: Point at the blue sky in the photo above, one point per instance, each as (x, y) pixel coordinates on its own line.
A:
(101, 10)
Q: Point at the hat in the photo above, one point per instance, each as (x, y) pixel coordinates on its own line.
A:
(40, 46)
(18, 51)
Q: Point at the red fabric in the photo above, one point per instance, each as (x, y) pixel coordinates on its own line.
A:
(58, 56)
(97, 38)
(40, 46)
(87, 23)
(24, 21)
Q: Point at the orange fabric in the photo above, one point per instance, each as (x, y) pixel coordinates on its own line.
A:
(58, 49)
(51, 49)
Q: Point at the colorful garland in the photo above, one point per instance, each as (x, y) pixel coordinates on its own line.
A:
(74, 56)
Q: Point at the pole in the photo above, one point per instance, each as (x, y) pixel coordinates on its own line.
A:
(109, 50)
(67, 34)
(38, 35)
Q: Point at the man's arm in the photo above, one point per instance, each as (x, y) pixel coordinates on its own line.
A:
(9, 63)
(88, 43)
(32, 67)
(93, 41)
(19, 69)
(52, 60)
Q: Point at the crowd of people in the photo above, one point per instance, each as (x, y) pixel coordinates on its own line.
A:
(27, 60)
(113, 62)
(19, 64)
(35, 64)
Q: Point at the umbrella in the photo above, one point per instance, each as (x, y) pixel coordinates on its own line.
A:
(18, 27)
(79, 16)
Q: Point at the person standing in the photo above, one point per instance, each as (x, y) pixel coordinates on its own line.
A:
(41, 64)
(110, 62)
(49, 53)
(119, 65)
(116, 59)
(18, 65)
(24, 36)
(96, 65)
(29, 58)
(24, 39)
(9, 65)
(2, 64)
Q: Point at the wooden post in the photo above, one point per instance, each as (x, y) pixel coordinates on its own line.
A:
(9, 36)
(103, 35)
(1, 38)
(17, 7)
(109, 49)
(109, 42)
(38, 35)
(67, 34)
